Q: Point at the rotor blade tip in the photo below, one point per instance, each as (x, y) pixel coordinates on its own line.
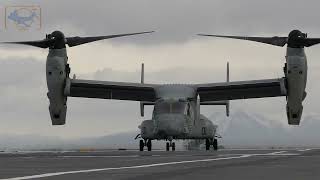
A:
(205, 35)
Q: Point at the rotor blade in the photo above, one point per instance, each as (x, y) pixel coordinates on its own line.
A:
(311, 41)
(41, 44)
(276, 41)
(75, 41)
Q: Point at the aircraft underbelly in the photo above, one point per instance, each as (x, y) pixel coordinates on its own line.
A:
(163, 127)
(168, 125)
(176, 127)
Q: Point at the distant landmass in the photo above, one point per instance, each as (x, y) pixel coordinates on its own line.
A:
(241, 130)
(252, 130)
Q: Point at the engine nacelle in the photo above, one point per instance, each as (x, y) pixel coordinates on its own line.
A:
(56, 73)
(296, 76)
(294, 115)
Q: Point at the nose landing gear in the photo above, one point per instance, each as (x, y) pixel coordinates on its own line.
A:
(213, 142)
(172, 145)
(147, 143)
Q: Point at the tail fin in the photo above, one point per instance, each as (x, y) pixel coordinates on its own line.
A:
(142, 73)
(222, 103)
(143, 103)
(228, 101)
(142, 82)
(228, 72)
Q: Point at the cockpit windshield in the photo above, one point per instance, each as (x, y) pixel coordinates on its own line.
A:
(170, 107)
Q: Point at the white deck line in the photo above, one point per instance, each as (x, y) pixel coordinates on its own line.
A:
(125, 167)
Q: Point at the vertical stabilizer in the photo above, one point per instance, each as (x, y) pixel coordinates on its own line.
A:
(142, 73)
(198, 110)
(228, 72)
(228, 102)
(142, 82)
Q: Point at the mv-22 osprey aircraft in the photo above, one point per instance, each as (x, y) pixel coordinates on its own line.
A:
(176, 113)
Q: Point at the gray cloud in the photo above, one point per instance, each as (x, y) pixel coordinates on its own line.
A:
(175, 21)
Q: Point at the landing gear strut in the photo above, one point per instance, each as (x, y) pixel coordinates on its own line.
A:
(213, 142)
(172, 145)
(147, 143)
(208, 144)
(141, 145)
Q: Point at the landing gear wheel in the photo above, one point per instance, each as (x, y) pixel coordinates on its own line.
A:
(168, 146)
(215, 144)
(141, 145)
(207, 144)
(149, 145)
(173, 146)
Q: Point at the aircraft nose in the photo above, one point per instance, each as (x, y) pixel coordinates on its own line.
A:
(170, 125)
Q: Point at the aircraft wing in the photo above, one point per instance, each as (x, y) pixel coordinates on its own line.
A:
(110, 90)
(241, 90)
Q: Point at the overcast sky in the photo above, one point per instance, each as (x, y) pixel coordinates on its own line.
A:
(171, 55)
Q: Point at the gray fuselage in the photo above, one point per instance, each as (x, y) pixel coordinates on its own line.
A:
(177, 116)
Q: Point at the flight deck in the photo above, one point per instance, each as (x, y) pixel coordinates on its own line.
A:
(302, 163)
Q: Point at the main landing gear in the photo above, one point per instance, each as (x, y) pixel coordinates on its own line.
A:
(147, 143)
(213, 142)
(172, 145)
